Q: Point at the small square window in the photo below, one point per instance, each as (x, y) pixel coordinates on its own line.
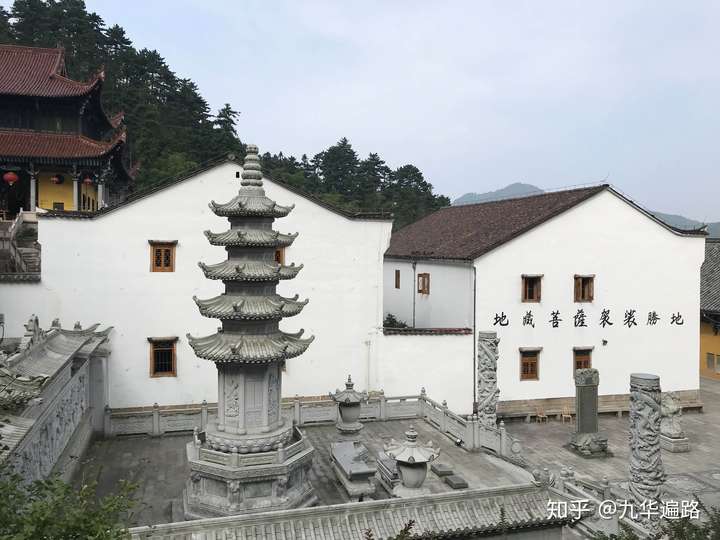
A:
(162, 357)
(423, 283)
(162, 256)
(529, 365)
(397, 279)
(584, 288)
(58, 206)
(531, 288)
(582, 358)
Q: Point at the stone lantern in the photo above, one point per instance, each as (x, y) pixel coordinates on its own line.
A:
(349, 402)
(412, 463)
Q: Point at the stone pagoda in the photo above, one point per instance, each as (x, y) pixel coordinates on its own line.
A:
(251, 458)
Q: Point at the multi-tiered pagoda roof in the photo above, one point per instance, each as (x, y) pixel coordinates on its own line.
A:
(250, 274)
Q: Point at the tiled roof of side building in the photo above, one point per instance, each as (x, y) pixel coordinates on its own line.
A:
(469, 513)
(466, 232)
(34, 144)
(209, 165)
(710, 277)
(39, 72)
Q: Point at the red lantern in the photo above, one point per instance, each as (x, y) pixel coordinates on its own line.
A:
(10, 177)
(88, 180)
(56, 179)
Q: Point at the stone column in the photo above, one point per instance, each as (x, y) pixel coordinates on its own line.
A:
(586, 440)
(487, 391)
(647, 473)
(33, 190)
(101, 194)
(76, 197)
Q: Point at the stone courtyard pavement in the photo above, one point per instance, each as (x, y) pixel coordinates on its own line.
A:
(158, 464)
(694, 472)
(159, 467)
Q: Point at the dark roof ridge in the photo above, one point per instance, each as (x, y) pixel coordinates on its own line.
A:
(576, 187)
(43, 50)
(206, 166)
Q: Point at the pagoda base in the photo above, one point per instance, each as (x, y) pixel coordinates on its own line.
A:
(226, 484)
(249, 443)
(349, 428)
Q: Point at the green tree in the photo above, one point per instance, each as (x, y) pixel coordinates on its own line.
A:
(171, 129)
(5, 28)
(53, 509)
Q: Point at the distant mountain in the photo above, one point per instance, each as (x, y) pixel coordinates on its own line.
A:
(518, 189)
(685, 223)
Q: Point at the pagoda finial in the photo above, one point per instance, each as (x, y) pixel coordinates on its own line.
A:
(252, 171)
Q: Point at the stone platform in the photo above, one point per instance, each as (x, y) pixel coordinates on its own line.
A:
(159, 466)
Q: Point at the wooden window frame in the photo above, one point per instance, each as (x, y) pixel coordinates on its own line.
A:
(577, 350)
(162, 244)
(397, 278)
(579, 289)
(423, 283)
(154, 345)
(524, 352)
(523, 291)
(280, 255)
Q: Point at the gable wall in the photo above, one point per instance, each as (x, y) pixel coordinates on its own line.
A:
(638, 265)
(99, 270)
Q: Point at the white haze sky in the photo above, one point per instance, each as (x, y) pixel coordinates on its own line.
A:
(476, 94)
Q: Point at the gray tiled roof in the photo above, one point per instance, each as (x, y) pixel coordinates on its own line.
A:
(249, 307)
(465, 513)
(251, 349)
(710, 277)
(249, 271)
(250, 238)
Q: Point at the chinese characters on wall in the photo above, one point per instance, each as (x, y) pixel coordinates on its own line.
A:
(580, 319)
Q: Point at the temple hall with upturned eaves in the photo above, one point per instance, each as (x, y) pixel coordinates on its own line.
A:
(59, 149)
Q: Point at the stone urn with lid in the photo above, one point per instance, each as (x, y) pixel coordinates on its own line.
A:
(412, 462)
(349, 403)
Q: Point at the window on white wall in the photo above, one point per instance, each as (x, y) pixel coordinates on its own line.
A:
(582, 358)
(584, 288)
(423, 283)
(397, 279)
(531, 288)
(163, 360)
(529, 364)
(162, 255)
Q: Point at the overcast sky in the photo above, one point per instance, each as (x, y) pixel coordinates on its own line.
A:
(476, 94)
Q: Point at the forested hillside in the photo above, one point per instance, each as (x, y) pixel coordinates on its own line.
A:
(172, 129)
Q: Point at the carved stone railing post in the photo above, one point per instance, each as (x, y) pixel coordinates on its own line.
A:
(107, 422)
(203, 415)
(487, 391)
(383, 406)
(296, 411)
(503, 439)
(443, 418)
(422, 403)
(156, 420)
(472, 439)
(647, 473)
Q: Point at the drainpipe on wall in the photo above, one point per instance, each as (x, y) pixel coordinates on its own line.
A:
(474, 359)
(412, 290)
